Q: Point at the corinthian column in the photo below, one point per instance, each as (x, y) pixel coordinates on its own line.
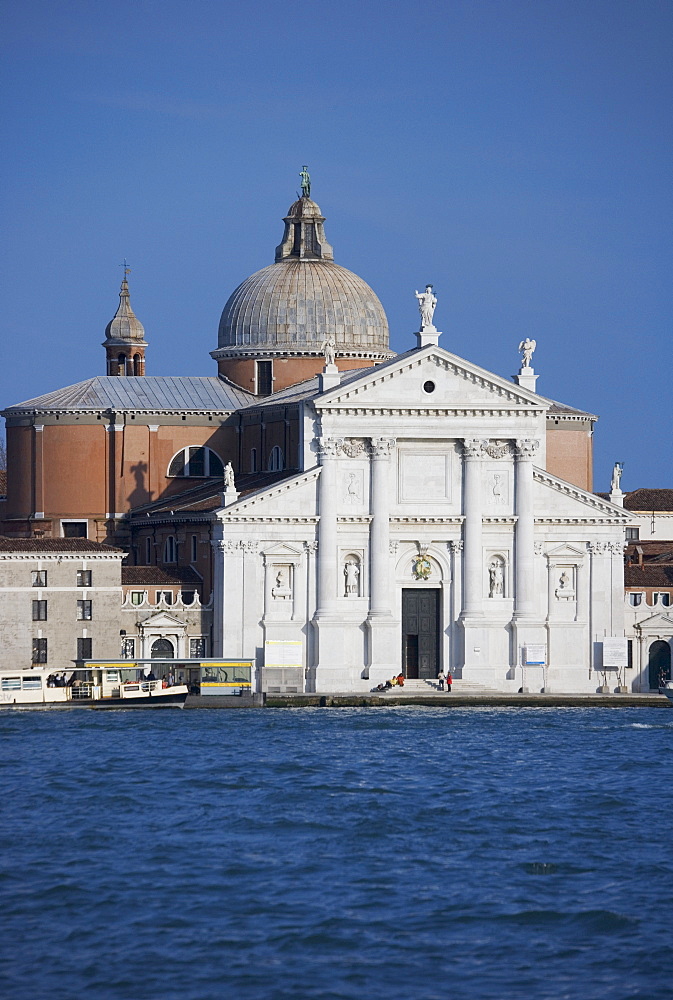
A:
(379, 603)
(327, 527)
(472, 544)
(524, 531)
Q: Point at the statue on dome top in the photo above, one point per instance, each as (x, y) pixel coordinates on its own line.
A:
(305, 182)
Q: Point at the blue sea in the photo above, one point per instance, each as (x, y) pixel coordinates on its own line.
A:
(392, 853)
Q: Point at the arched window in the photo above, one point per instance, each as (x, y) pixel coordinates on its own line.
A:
(253, 460)
(121, 364)
(169, 549)
(276, 460)
(196, 462)
(136, 364)
(162, 649)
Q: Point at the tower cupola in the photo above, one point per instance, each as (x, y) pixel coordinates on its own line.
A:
(125, 337)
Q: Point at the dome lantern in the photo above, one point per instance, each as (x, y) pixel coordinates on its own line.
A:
(125, 337)
(274, 325)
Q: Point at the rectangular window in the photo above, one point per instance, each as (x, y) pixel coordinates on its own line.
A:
(83, 577)
(665, 600)
(33, 683)
(197, 647)
(74, 529)
(197, 461)
(264, 378)
(11, 684)
(195, 547)
(187, 596)
(632, 534)
(84, 649)
(148, 551)
(39, 577)
(137, 596)
(39, 650)
(39, 611)
(165, 595)
(128, 648)
(84, 611)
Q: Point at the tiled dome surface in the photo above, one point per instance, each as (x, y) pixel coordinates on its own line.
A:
(296, 304)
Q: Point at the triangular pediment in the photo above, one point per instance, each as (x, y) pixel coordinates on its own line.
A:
(294, 495)
(283, 550)
(162, 620)
(566, 551)
(555, 496)
(661, 622)
(429, 377)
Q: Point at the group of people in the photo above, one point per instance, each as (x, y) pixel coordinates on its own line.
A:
(397, 681)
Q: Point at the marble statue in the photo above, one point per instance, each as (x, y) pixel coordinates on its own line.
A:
(616, 477)
(496, 579)
(351, 572)
(427, 301)
(527, 347)
(305, 182)
(229, 477)
(329, 350)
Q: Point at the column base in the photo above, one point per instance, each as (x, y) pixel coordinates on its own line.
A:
(384, 653)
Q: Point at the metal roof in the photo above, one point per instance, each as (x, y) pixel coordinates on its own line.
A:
(146, 393)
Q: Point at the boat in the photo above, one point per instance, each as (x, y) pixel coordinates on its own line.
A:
(667, 689)
(98, 686)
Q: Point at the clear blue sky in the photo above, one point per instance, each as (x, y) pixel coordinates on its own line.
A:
(516, 153)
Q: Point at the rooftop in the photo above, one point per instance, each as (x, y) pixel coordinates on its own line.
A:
(53, 545)
(151, 393)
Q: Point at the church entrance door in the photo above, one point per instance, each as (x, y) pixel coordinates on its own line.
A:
(420, 633)
(659, 666)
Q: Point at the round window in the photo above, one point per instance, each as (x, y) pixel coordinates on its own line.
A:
(428, 386)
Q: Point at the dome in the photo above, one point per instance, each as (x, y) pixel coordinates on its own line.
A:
(292, 306)
(125, 327)
(295, 305)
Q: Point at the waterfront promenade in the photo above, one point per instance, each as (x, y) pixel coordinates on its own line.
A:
(435, 699)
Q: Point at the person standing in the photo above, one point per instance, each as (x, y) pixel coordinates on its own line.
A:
(449, 682)
(440, 680)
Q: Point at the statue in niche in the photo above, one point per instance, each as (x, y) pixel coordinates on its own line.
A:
(496, 579)
(565, 590)
(229, 477)
(427, 302)
(329, 350)
(616, 477)
(282, 591)
(527, 347)
(352, 575)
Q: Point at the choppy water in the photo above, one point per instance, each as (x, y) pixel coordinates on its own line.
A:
(393, 853)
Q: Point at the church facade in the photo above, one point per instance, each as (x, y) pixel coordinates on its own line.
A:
(349, 512)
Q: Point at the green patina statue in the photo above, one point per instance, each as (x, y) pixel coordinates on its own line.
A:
(305, 182)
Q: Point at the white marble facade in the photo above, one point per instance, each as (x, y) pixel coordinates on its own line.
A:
(423, 498)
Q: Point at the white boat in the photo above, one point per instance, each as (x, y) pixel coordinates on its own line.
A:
(113, 685)
(667, 689)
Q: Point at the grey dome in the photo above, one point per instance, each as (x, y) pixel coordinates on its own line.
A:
(124, 327)
(294, 305)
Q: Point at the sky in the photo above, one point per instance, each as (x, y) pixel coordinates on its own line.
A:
(514, 153)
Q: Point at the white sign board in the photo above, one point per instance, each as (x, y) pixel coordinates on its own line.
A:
(283, 653)
(535, 654)
(615, 652)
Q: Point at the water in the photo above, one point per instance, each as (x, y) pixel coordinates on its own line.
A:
(393, 853)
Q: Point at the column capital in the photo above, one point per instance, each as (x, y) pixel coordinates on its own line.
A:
(329, 447)
(455, 545)
(526, 448)
(382, 447)
(473, 447)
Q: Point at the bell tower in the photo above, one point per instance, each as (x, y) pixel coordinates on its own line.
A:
(125, 337)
